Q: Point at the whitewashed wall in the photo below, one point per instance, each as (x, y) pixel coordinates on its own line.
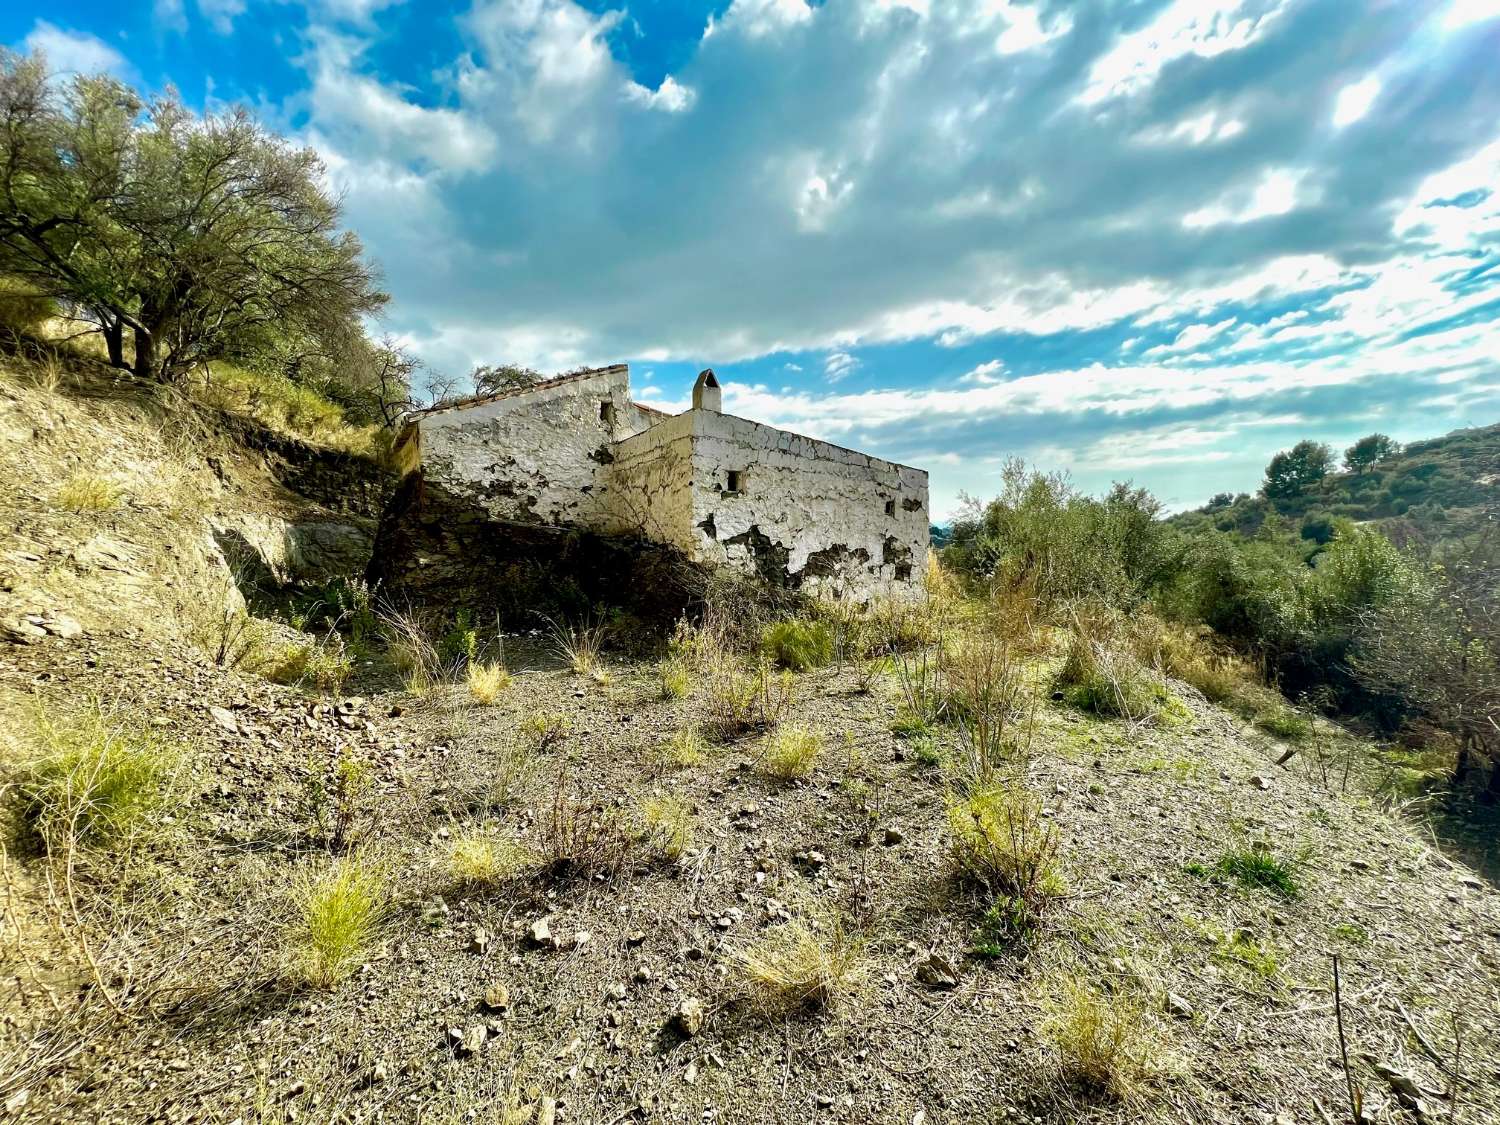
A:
(651, 484)
(822, 506)
(538, 457)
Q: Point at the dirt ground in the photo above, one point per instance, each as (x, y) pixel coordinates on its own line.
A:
(1240, 1035)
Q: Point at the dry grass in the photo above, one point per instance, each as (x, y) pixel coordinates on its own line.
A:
(668, 825)
(581, 646)
(88, 492)
(791, 752)
(338, 914)
(324, 664)
(685, 748)
(675, 677)
(795, 966)
(1103, 1044)
(479, 859)
(486, 680)
(584, 840)
(987, 698)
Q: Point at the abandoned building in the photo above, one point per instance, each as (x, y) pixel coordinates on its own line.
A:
(578, 452)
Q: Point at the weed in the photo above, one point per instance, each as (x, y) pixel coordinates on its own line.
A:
(331, 798)
(1001, 842)
(675, 678)
(487, 679)
(545, 729)
(1351, 933)
(684, 748)
(96, 780)
(584, 840)
(1284, 722)
(1257, 867)
(743, 699)
(928, 753)
(796, 967)
(1103, 1044)
(1100, 676)
(1009, 920)
(322, 664)
(668, 825)
(791, 752)
(338, 911)
(480, 859)
(987, 690)
(459, 645)
(797, 644)
(580, 646)
(87, 492)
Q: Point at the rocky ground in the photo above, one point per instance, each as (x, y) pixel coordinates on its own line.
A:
(467, 1006)
(618, 997)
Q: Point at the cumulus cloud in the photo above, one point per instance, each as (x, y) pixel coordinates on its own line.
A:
(74, 52)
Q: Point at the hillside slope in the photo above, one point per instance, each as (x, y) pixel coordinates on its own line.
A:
(1434, 489)
(170, 990)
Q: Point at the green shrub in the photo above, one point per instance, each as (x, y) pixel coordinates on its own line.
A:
(96, 780)
(1002, 843)
(338, 912)
(324, 665)
(791, 752)
(797, 644)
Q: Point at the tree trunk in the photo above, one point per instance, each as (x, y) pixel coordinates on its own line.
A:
(145, 355)
(114, 341)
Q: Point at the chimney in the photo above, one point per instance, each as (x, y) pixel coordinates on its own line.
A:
(706, 393)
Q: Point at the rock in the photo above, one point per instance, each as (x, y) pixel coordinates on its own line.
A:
(937, 972)
(814, 860)
(497, 997)
(1259, 782)
(643, 975)
(540, 935)
(467, 1041)
(480, 941)
(224, 718)
(891, 837)
(688, 1018)
(63, 626)
(546, 1111)
(1177, 1006)
(18, 630)
(635, 937)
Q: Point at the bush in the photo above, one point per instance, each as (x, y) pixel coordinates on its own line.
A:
(338, 912)
(23, 311)
(87, 492)
(684, 748)
(675, 677)
(1099, 676)
(797, 644)
(322, 664)
(584, 840)
(1001, 842)
(796, 967)
(96, 781)
(791, 752)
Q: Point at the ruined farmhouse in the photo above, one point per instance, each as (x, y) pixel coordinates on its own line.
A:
(577, 452)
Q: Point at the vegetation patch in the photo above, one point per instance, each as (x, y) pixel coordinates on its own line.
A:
(797, 644)
(487, 679)
(1254, 867)
(478, 859)
(797, 966)
(1102, 1041)
(339, 911)
(791, 752)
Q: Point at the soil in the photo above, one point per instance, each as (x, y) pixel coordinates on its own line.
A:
(197, 1015)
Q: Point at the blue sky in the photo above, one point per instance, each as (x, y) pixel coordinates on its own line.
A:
(1154, 240)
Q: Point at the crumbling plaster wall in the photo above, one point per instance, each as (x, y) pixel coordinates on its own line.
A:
(808, 512)
(539, 457)
(651, 484)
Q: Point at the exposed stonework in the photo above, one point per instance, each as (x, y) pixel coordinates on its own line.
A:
(576, 452)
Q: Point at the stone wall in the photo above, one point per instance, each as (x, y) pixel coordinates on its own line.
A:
(808, 513)
(651, 484)
(542, 456)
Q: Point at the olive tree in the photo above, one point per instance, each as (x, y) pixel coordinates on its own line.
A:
(185, 232)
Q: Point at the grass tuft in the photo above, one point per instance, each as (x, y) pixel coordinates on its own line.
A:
(668, 825)
(96, 780)
(795, 967)
(339, 911)
(1257, 867)
(797, 644)
(1002, 843)
(1102, 1041)
(87, 492)
(487, 679)
(675, 678)
(480, 859)
(791, 752)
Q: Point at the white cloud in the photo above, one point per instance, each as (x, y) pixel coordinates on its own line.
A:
(74, 52)
(759, 18)
(169, 15)
(839, 365)
(1277, 192)
(1354, 101)
(221, 14)
(985, 374)
(1204, 28)
(670, 97)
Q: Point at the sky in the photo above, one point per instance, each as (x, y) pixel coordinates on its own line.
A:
(1145, 240)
